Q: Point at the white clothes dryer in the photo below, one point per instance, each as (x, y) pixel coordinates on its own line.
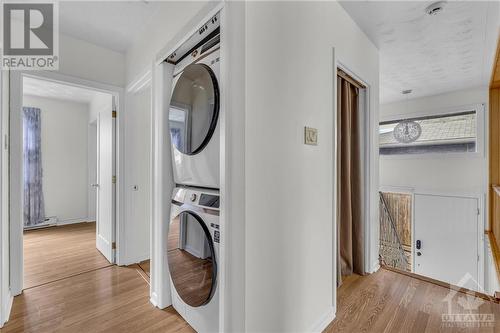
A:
(193, 255)
(194, 117)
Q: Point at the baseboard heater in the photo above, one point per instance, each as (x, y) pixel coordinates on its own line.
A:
(48, 222)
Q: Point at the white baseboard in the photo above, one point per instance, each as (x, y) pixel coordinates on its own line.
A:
(73, 221)
(323, 321)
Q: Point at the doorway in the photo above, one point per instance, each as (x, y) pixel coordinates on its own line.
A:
(67, 181)
(431, 234)
(351, 160)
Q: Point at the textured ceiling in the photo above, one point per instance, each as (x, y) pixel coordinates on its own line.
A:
(49, 89)
(114, 24)
(429, 54)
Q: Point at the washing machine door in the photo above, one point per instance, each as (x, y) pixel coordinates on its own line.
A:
(191, 259)
(194, 109)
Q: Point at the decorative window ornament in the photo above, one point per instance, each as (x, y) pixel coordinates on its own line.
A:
(407, 131)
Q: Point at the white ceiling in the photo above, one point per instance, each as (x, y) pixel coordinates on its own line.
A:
(49, 89)
(429, 54)
(111, 24)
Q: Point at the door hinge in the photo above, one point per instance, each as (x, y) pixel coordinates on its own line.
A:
(113, 114)
(478, 212)
(113, 179)
(113, 245)
(478, 257)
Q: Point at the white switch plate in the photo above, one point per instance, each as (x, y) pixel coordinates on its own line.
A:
(311, 136)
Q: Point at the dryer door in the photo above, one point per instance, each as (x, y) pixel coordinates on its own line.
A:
(191, 259)
(194, 109)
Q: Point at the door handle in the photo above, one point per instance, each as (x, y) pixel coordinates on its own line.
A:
(94, 185)
(419, 244)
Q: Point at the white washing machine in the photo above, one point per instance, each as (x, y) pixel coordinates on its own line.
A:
(194, 116)
(193, 254)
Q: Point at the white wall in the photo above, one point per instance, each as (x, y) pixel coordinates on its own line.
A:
(139, 59)
(64, 157)
(290, 49)
(452, 174)
(84, 60)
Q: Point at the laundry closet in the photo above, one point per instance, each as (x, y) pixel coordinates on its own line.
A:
(193, 228)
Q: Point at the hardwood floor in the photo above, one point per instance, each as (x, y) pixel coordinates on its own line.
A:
(92, 296)
(54, 253)
(111, 299)
(387, 301)
(77, 290)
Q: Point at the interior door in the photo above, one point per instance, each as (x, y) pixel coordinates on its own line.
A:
(105, 212)
(446, 239)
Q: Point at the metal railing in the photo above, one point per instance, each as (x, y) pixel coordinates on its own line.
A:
(391, 250)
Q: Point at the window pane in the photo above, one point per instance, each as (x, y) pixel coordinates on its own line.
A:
(440, 134)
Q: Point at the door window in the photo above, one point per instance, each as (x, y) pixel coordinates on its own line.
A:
(194, 109)
(191, 259)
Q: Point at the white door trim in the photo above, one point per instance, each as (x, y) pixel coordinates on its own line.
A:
(16, 193)
(370, 176)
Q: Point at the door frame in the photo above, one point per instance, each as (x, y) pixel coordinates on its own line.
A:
(370, 176)
(16, 165)
(369, 159)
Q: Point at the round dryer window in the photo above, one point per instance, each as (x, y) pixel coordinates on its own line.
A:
(191, 259)
(194, 109)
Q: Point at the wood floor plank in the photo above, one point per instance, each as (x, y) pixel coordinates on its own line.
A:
(145, 267)
(55, 253)
(111, 299)
(388, 301)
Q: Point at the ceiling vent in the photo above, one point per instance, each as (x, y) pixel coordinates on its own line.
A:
(435, 8)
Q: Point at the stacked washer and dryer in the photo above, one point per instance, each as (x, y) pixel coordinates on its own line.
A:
(194, 235)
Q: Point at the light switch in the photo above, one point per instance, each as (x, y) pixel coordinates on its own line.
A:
(311, 136)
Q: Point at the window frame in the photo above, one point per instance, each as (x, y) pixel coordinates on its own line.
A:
(481, 115)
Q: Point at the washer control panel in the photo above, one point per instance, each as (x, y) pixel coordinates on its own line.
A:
(205, 198)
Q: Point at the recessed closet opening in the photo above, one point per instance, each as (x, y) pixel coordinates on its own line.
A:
(351, 158)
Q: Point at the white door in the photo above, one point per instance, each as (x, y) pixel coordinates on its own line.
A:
(105, 212)
(446, 239)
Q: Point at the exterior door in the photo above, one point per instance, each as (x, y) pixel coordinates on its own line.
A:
(446, 239)
(105, 210)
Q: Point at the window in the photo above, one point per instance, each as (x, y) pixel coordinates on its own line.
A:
(446, 133)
